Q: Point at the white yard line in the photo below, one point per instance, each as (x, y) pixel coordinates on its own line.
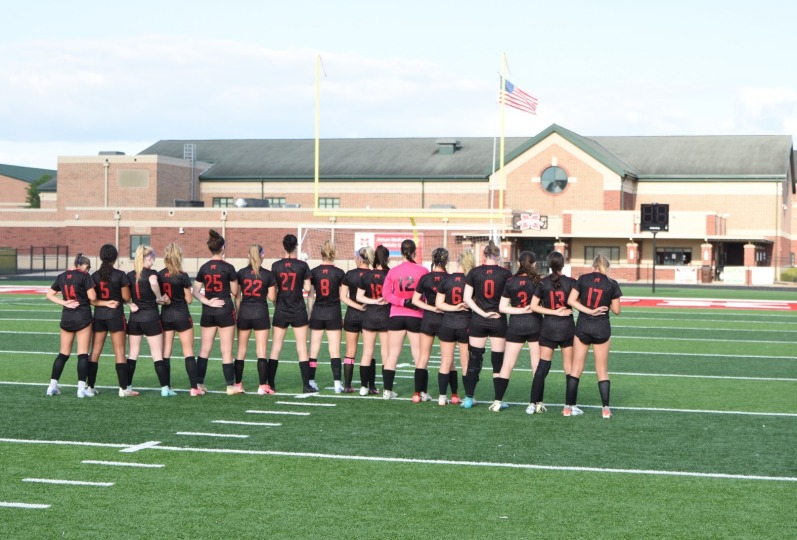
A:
(287, 413)
(28, 506)
(67, 482)
(305, 404)
(239, 423)
(220, 435)
(123, 464)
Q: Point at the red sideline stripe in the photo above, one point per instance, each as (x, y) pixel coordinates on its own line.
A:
(23, 289)
(708, 303)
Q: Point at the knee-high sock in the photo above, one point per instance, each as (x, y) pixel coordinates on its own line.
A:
(190, 369)
(538, 384)
(82, 367)
(571, 395)
(160, 370)
(168, 364)
(335, 365)
(604, 388)
(500, 385)
(497, 360)
(313, 363)
(262, 370)
(239, 370)
(453, 381)
(229, 373)
(121, 374)
(58, 366)
(442, 383)
(201, 369)
(388, 376)
(304, 369)
(272, 372)
(131, 370)
(92, 379)
(348, 371)
(365, 375)
(418, 379)
(372, 375)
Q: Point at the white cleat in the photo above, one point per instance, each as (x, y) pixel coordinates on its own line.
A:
(389, 394)
(53, 390)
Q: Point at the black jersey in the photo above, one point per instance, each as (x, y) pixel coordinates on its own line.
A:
(74, 285)
(110, 290)
(427, 287)
(174, 286)
(352, 281)
(290, 275)
(254, 292)
(376, 315)
(141, 289)
(596, 290)
(326, 280)
(519, 290)
(452, 287)
(555, 327)
(216, 275)
(488, 281)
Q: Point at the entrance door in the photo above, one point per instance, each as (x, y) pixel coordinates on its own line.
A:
(541, 247)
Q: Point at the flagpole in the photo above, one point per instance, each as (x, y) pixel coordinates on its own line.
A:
(317, 123)
(502, 177)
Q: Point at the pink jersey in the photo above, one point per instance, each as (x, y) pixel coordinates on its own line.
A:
(400, 284)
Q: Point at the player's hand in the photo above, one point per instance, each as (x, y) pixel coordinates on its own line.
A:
(409, 305)
(216, 303)
(113, 304)
(492, 315)
(564, 312)
(71, 304)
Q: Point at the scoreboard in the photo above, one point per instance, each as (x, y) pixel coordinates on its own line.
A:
(654, 217)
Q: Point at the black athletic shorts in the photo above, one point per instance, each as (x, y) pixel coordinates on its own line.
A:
(331, 324)
(431, 323)
(261, 323)
(588, 339)
(376, 317)
(178, 326)
(144, 328)
(284, 320)
(482, 327)
(221, 321)
(110, 325)
(75, 325)
(353, 321)
(403, 322)
(551, 344)
(452, 335)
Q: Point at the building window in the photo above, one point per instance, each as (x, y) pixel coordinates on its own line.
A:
(554, 179)
(673, 256)
(611, 252)
(223, 202)
(138, 240)
(276, 202)
(329, 202)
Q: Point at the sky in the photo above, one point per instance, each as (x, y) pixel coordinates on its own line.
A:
(81, 77)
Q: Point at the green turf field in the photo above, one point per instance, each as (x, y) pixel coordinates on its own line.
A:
(703, 444)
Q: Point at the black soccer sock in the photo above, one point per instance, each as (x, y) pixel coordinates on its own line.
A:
(497, 360)
(161, 371)
(58, 366)
(131, 370)
(167, 362)
(92, 379)
(469, 384)
(121, 374)
(604, 388)
(425, 380)
(239, 371)
(313, 364)
(304, 370)
(190, 369)
(388, 375)
(348, 371)
(453, 381)
(335, 364)
(365, 375)
(538, 383)
(500, 385)
(229, 373)
(272, 373)
(201, 369)
(571, 395)
(82, 367)
(442, 383)
(372, 375)
(262, 370)
(418, 379)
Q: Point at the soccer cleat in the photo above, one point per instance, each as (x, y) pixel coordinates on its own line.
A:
(426, 397)
(416, 397)
(348, 390)
(540, 407)
(53, 390)
(167, 392)
(364, 391)
(531, 409)
(313, 385)
(373, 392)
(264, 390)
(91, 392)
(240, 386)
(234, 390)
(338, 387)
(127, 392)
(455, 399)
(606, 413)
(497, 406)
(442, 401)
(575, 411)
(467, 403)
(202, 388)
(389, 394)
(309, 390)
(195, 392)
(81, 392)
(567, 411)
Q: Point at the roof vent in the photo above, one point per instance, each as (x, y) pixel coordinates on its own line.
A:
(111, 153)
(447, 146)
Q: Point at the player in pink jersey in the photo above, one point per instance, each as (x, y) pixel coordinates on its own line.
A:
(405, 317)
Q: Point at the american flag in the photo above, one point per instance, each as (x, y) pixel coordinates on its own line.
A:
(518, 99)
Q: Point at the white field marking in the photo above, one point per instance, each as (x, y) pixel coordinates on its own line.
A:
(28, 506)
(48, 321)
(742, 319)
(142, 446)
(65, 443)
(67, 482)
(399, 366)
(720, 313)
(124, 464)
(221, 435)
(287, 413)
(702, 340)
(756, 330)
(238, 423)
(299, 403)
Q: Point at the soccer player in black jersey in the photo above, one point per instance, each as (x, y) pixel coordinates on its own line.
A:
(219, 281)
(558, 327)
(293, 279)
(175, 316)
(145, 320)
(454, 328)
(377, 313)
(110, 284)
(424, 298)
(524, 326)
(483, 289)
(256, 286)
(353, 321)
(326, 280)
(77, 295)
(593, 296)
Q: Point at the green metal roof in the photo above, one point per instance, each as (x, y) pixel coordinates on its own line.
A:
(25, 174)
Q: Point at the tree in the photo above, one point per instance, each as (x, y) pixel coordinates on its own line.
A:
(33, 199)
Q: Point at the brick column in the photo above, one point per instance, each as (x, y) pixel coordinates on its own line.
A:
(706, 260)
(749, 262)
(561, 247)
(632, 260)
